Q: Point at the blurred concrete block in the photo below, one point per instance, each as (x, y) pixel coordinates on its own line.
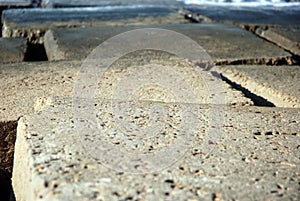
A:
(280, 85)
(224, 43)
(83, 3)
(15, 2)
(12, 49)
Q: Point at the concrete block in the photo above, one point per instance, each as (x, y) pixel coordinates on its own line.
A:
(12, 49)
(224, 43)
(15, 2)
(249, 15)
(24, 82)
(255, 157)
(280, 85)
(287, 37)
(17, 22)
(82, 3)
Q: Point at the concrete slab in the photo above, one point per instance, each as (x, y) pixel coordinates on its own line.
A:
(24, 82)
(287, 37)
(224, 43)
(15, 2)
(280, 85)
(82, 3)
(256, 157)
(17, 22)
(12, 49)
(249, 15)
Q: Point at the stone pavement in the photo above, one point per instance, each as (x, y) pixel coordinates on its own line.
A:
(283, 92)
(34, 22)
(280, 26)
(230, 132)
(251, 158)
(83, 3)
(224, 43)
(287, 37)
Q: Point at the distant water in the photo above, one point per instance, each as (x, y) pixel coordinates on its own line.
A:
(254, 3)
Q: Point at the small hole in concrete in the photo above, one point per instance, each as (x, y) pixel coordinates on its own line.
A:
(35, 52)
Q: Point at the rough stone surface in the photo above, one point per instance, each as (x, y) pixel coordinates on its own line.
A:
(249, 15)
(224, 43)
(34, 22)
(24, 82)
(287, 37)
(257, 157)
(83, 3)
(12, 49)
(280, 85)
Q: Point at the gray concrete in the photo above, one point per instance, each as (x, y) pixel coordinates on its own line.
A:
(22, 83)
(17, 22)
(12, 49)
(249, 15)
(287, 37)
(15, 2)
(25, 82)
(256, 158)
(278, 84)
(224, 43)
(83, 3)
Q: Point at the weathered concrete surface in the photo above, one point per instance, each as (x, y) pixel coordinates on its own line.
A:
(83, 3)
(280, 85)
(257, 158)
(224, 43)
(249, 15)
(15, 2)
(24, 82)
(12, 49)
(287, 37)
(18, 22)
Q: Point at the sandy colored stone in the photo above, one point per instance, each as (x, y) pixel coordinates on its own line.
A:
(224, 43)
(278, 84)
(24, 82)
(256, 156)
(287, 37)
(12, 49)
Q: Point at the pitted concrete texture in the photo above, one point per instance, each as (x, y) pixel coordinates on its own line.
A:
(224, 43)
(12, 49)
(256, 157)
(24, 82)
(83, 3)
(34, 22)
(280, 85)
(249, 15)
(287, 37)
